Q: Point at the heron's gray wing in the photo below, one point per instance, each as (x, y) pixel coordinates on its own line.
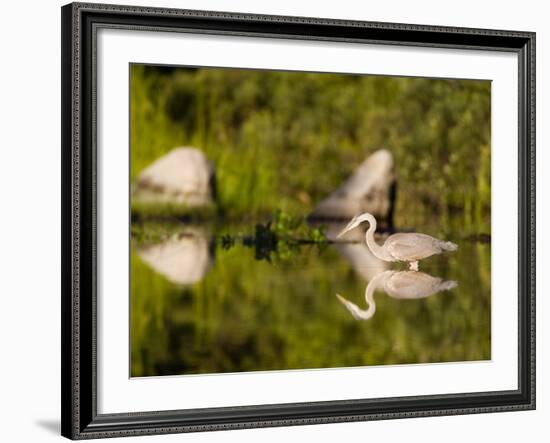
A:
(411, 247)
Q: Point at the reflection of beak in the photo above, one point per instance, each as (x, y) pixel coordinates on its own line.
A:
(342, 299)
(349, 305)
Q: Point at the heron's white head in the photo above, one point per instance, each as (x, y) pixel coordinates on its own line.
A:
(356, 221)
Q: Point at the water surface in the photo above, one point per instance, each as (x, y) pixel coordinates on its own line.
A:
(201, 303)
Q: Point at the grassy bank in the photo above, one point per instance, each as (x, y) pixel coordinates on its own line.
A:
(286, 140)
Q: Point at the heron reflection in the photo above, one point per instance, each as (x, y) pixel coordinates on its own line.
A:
(400, 285)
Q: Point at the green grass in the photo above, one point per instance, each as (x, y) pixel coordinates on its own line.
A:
(167, 210)
(285, 141)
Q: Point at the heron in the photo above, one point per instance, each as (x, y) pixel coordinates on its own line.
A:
(407, 247)
(400, 285)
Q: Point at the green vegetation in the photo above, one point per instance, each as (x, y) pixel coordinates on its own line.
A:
(286, 140)
(143, 211)
(281, 238)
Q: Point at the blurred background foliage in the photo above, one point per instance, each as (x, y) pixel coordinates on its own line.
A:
(286, 141)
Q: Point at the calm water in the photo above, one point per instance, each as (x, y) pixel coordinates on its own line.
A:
(201, 303)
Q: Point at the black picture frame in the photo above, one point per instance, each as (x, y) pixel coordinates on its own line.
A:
(79, 211)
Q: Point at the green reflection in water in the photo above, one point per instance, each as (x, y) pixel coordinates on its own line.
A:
(231, 312)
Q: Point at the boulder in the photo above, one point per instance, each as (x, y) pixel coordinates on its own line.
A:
(183, 176)
(371, 188)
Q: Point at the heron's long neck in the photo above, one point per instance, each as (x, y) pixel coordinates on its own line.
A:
(375, 248)
(366, 314)
(377, 282)
(369, 297)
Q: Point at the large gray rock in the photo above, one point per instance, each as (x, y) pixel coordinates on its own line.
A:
(184, 259)
(371, 189)
(183, 176)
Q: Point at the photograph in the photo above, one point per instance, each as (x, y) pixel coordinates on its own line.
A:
(287, 220)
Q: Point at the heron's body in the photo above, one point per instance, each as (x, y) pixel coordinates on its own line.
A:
(414, 247)
(400, 285)
(408, 247)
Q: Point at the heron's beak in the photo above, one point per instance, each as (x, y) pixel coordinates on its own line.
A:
(343, 231)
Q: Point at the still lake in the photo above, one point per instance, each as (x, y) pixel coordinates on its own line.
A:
(208, 298)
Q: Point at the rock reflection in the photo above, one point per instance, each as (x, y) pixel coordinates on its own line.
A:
(400, 285)
(184, 259)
